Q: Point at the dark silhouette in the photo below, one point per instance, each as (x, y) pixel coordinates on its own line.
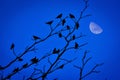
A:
(20, 59)
(60, 35)
(55, 51)
(16, 70)
(25, 65)
(63, 22)
(77, 25)
(84, 62)
(76, 45)
(68, 27)
(36, 37)
(34, 60)
(73, 37)
(61, 67)
(49, 22)
(12, 46)
(58, 63)
(71, 15)
(59, 16)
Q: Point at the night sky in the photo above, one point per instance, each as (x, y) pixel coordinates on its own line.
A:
(21, 19)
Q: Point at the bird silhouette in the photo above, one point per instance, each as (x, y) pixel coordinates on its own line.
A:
(25, 65)
(34, 60)
(71, 16)
(55, 51)
(49, 22)
(68, 27)
(36, 37)
(12, 46)
(76, 45)
(73, 37)
(63, 22)
(20, 59)
(59, 16)
(77, 25)
(61, 67)
(16, 69)
(60, 35)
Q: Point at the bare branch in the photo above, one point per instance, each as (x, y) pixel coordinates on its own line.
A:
(81, 45)
(84, 62)
(49, 61)
(77, 67)
(87, 60)
(28, 65)
(83, 10)
(92, 70)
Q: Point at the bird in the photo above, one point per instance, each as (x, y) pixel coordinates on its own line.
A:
(73, 37)
(77, 25)
(16, 69)
(71, 16)
(20, 59)
(34, 60)
(76, 45)
(12, 46)
(58, 51)
(36, 37)
(68, 27)
(25, 65)
(60, 35)
(63, 22)
(49, 22)
(59, 16)
(55, 51)
(61, 67)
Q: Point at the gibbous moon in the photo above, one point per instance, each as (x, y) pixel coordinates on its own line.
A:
(95, 28)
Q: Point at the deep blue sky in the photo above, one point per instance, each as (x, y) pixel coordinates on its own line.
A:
(20, 19)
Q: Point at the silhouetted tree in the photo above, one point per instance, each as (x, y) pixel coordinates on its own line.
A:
(59, 62)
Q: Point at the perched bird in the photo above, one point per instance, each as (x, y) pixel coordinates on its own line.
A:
(25, 65)
(77, 25)
(61, 67)
(12, 46)
(16, 69)
(68, 27)
(34, 60)
(59, 16)
(36, 37)
(76, 45)
(63, 22)
(20, 59)
(60, 35)
(55, 51)
(71, 16)
(58, 51)
(73, 37)
(49, 22)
